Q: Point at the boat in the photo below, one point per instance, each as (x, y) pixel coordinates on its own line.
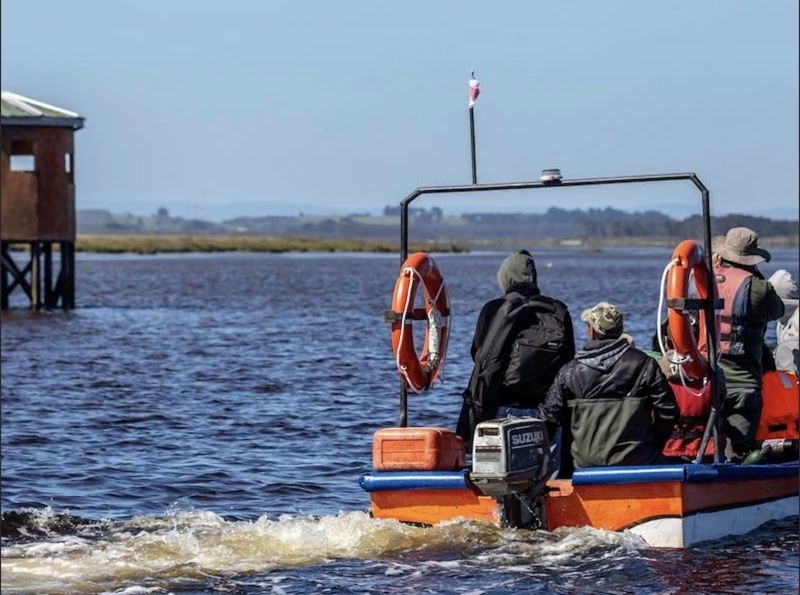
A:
(424, 476)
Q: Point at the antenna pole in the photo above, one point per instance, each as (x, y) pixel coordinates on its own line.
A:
(472, 144)
(474, 91)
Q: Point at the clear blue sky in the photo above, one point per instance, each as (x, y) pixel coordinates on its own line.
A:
(217, 109)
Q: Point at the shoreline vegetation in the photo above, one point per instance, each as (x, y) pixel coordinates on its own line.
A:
(170, 244)
(155, 244)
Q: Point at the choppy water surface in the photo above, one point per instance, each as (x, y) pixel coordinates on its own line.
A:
(199, 422)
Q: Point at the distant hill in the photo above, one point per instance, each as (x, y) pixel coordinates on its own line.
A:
(433, 224)
(98, 221)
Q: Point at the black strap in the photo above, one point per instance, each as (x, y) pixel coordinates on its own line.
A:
(687, 433)
(693, 419)
(777, 427)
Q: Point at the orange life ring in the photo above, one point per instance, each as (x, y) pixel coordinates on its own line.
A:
(421, 370)
(689, 256)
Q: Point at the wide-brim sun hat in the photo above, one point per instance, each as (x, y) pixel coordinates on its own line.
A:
(740, 246)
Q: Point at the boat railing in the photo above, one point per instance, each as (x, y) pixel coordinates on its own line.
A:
(548, 180)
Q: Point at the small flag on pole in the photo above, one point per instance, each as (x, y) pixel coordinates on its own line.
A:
(474, 90)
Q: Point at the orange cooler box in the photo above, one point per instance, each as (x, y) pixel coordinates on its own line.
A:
(417, 449)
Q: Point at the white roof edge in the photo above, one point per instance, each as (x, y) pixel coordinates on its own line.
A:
(29, 105)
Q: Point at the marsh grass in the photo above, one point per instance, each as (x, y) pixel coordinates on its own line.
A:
(174, 244)
(155, 244)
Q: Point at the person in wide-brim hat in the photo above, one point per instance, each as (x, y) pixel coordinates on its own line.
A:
(740, 246)
(750, 302)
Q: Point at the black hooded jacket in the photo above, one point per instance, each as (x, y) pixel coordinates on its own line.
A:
(490, 351)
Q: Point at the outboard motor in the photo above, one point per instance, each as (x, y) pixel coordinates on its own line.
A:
(511, 462)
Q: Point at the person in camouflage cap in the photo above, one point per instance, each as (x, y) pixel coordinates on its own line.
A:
(605, 319)
(612, 401)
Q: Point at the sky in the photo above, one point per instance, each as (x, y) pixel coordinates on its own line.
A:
(214, 110)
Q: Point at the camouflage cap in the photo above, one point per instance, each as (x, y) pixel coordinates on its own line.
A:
(604, 318)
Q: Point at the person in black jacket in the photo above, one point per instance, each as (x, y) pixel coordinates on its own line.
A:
(613, 401)
(489, 395)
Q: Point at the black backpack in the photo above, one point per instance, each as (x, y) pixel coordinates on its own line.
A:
(527, 341)
(540, 346)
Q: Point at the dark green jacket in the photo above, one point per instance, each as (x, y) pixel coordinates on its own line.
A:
(614, 402)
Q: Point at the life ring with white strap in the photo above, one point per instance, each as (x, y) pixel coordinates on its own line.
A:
(419, 371)
(691, 353)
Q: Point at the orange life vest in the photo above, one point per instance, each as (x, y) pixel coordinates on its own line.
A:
(733, 285)
(781, 409)
(695, 407)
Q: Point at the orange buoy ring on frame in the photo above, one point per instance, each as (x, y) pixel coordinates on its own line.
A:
(692, 351)
(419, 371)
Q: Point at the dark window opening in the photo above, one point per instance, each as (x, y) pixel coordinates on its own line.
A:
(22, 156)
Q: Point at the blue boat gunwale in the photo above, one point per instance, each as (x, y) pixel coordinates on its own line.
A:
(684, 473)
(378, 481)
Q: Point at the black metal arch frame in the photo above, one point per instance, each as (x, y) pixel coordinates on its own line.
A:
(713, 428)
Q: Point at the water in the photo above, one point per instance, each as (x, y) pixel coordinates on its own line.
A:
(199, 422)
